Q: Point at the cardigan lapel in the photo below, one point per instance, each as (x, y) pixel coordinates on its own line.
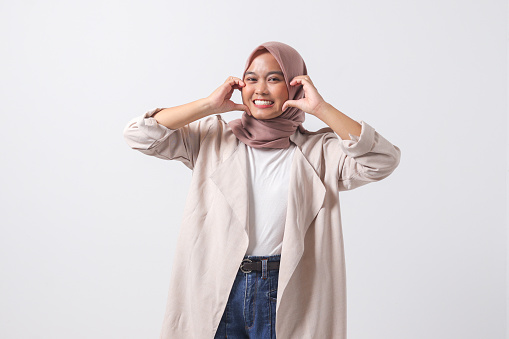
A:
(231, 179)
(306, 194)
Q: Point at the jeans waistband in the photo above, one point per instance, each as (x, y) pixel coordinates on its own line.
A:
(261, 263)
(275, 257)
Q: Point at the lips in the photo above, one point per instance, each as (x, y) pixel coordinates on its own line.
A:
(263, 103)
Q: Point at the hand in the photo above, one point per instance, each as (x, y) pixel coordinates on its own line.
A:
(312, 100)
(219, 100)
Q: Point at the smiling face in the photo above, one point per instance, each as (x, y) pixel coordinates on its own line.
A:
(264, 81)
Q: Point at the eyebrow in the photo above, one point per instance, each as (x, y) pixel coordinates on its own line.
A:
(272, 72)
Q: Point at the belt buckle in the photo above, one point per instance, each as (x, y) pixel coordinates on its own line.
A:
(242, 265)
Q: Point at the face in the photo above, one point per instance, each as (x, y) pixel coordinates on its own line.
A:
(264, 81)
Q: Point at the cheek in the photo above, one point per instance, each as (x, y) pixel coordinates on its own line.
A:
(246, 92)
(283, 95)
(245, 96)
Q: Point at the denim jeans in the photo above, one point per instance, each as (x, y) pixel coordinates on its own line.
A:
(251, 308)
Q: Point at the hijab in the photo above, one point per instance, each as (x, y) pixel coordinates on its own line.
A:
(275, 132)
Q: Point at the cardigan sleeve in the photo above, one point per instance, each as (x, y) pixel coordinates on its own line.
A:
(146, 135)
(366, 158)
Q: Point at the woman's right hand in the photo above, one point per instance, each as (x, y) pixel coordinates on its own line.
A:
(219, 101)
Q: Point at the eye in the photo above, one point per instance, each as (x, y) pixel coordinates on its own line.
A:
(275, 79)
(250, 79)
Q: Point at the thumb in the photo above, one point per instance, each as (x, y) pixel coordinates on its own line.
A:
(289, 103)
(240, 107)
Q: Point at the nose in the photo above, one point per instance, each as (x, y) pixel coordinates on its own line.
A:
(261, 87)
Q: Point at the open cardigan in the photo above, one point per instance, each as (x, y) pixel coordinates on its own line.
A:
(213, 237)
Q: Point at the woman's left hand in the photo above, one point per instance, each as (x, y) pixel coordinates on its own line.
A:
(312, 100)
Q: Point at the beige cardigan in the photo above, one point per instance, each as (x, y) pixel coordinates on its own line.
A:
(213, 238)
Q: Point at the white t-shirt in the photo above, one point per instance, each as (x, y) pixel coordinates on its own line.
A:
(268, 180)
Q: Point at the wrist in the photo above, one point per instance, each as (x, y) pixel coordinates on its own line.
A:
(206, 106)
(321, 110)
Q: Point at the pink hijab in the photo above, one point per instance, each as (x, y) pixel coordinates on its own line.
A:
(275, 132)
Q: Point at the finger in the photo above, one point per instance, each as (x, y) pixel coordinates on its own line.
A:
(296, 81)
(301, 76)
(239, 85)
(235, 82)
(230, 80)
(303, 82)
(300, 80)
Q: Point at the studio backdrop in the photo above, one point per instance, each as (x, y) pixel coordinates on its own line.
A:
(89, 226)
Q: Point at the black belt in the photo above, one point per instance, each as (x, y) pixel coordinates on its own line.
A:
(249, 265)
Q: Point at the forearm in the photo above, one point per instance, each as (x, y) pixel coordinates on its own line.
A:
(179, 116)
(338, 121)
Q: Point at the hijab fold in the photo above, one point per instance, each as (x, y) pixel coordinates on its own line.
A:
(275, 132)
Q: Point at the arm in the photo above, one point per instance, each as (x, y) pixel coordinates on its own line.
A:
(179, 116)
(366, 157)
(342, 124)
(218, 102)
(146, 135)
(177, 132)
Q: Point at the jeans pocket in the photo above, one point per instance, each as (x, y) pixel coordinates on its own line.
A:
(273, 295)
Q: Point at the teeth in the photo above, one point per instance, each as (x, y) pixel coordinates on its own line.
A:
(263, 102)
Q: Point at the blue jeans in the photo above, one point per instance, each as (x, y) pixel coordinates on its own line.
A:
(251, 308)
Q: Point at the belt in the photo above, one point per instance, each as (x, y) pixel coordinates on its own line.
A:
(249, 265)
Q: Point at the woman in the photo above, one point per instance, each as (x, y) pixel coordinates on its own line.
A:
(260, 249)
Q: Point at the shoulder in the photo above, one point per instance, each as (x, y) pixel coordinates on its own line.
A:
(220, 137)
(211, 121)
(221, 128)
(315, 140)
(216, 127)
(321, 148)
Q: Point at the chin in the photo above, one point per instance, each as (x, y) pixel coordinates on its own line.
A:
(267, 116)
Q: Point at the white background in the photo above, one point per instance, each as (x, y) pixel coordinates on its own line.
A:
(88, 225)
